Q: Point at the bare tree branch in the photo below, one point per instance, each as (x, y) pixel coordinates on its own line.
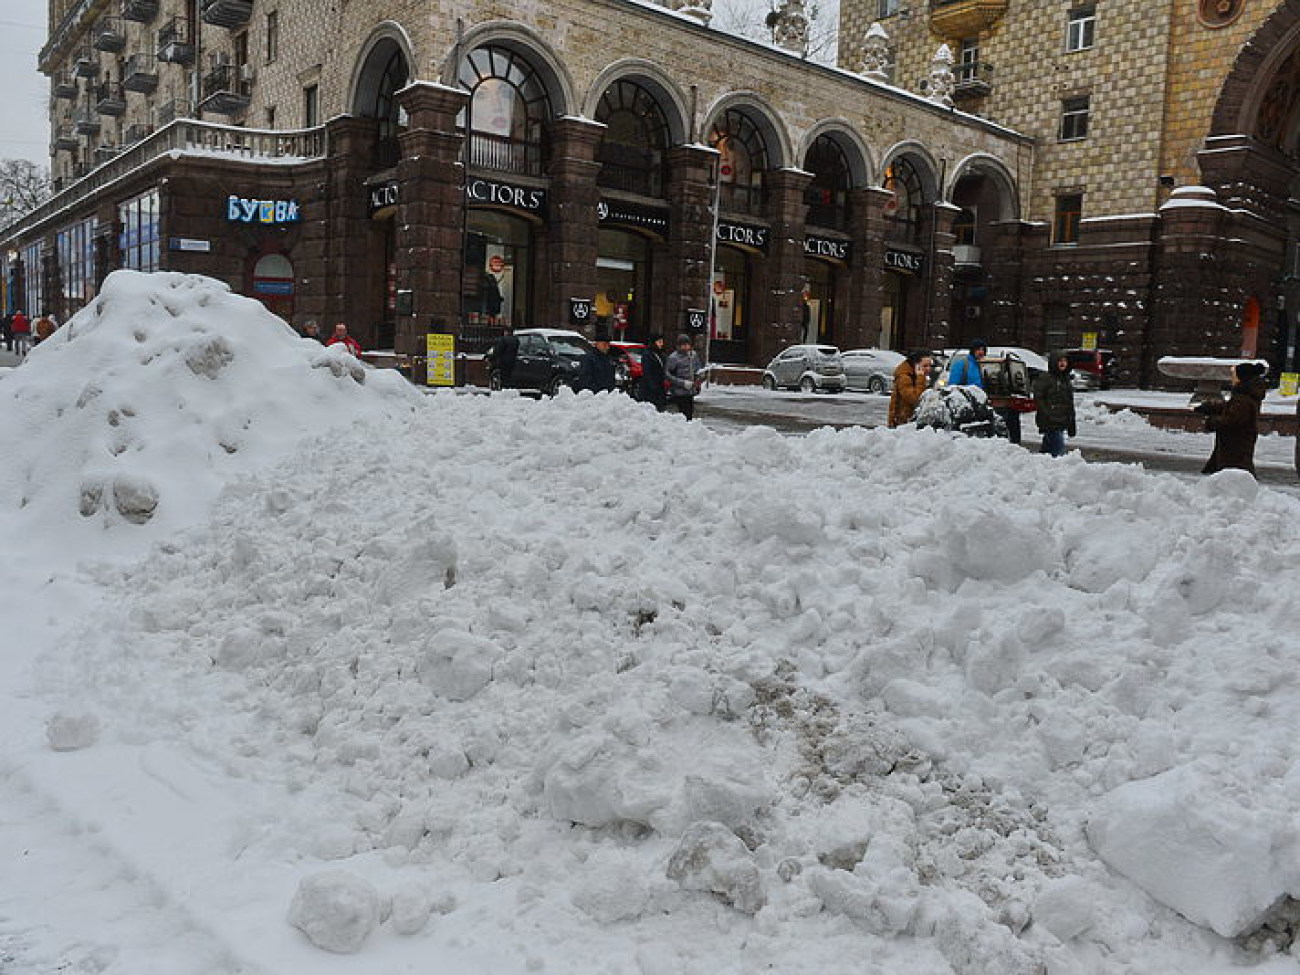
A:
(23, 187)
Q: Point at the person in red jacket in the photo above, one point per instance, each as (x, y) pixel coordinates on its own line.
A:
(21, 329)
(341, 335)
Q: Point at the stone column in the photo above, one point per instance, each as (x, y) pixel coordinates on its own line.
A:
(573, 220)
(781, 323)
(690, 231)
(341, 282)
(430, 215)
(866, 297)
(935, 330)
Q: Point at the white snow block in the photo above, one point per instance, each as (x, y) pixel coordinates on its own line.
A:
(335, 910)
(712, 858)
(69, 732)
(1194, 848)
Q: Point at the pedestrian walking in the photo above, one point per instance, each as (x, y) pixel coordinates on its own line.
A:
(43, 328)
(1236, 422)
(683, 369)
(965, 370)
(501, 360)
(596, 370)
(21, 328)
(911, 379)
(342, 337)
(7, 324)
(654, 377)
(1054, 399)
(310, 330)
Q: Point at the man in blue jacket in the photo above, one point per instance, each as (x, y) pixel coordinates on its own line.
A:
(965, 371)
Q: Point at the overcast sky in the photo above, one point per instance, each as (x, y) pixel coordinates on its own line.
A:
(24, 126)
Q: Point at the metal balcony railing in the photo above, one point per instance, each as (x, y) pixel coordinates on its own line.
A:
(974, 79)
(227, 13)
(108, 35)
(141, 11)
(223, 90)
(140, 74)
(64, 138)
(174, 44)
(85, 122)
(179, 137)
(110, 99)
(85, 64)
(504, 154)
(64, 85)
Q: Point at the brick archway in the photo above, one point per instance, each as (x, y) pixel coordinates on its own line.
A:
(1271, 58)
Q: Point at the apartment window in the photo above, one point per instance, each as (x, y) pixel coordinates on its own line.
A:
(1069, 210)
(887, 8)
(968, 60)
(1080, 29)
(270, 116)
(311, 106)
(1074, 118)
(272, 36)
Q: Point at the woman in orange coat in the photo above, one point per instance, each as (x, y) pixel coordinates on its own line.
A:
(911, 379)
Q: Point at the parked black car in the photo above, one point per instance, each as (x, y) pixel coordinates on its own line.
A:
(548, 359)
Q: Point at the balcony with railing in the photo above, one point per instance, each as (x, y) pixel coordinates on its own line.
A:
(104, 154)
(85, 64)
(174, 141)
(85, 122)
(141, 11)
(174, 44)
(224, 90)
(69, 32)
(65, 139)
(488, 151)
(965, 18)
(108, 35)
(64, 85)
(974, 79)
(140, 74)
(227, 13)
(110, 99)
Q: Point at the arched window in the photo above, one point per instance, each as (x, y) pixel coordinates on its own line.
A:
(507, 113)
(390, 115)
(631, 154)
(903, 212)
(827, 195)
(744, 160)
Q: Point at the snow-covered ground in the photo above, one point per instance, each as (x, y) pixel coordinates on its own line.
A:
(306, 672)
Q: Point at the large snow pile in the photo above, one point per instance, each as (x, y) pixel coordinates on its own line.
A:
(143, 404)
(573, 686)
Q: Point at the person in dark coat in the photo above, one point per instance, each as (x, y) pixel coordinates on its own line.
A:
(501, 359)
(1054, 398)
(1236, 422)
(654, 380)
(597, 371)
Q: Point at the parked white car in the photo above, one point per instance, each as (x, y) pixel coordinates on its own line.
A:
(871, 369)
(807, 367)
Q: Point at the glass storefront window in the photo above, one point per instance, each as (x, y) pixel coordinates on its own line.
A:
(139, 238)
(622, 278)
(33, 297)
(730, 305)
(496, 277)
(819, 302)
(891, 311)
(76, 258)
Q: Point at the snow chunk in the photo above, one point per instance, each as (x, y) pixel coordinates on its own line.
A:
(712, 858)
(70, 732)
(457, 664)
(1195, 847)
(336, 910)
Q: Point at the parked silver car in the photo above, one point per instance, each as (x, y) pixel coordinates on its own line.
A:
(806, 367)
(871, 369)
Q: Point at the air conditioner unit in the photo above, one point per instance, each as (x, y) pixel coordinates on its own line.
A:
(247, 72)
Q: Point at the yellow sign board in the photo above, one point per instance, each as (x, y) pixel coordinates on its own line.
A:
(440, 362)
(1289, 383)
(1090, 341)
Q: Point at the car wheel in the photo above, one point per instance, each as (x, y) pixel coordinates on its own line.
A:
(556, 385)
(494, 381)
(876, 384)
(807, 384)
(769, 382)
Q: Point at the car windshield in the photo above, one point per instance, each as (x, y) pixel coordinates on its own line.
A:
(827, 351)
(572, 345)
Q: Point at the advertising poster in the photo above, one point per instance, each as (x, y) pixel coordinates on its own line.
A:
(1289, 383)
(441, 359)
(724, 309)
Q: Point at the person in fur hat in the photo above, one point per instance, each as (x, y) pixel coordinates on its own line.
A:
(1236, 422)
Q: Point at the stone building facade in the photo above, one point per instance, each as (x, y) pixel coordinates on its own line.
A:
(1133, 105)
(408, 167)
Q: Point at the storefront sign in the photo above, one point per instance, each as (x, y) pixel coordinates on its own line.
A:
(241, 210)
(440, 359)
(619, 213)
(383, 196)
(696, 319)
(488, 192)
(268, 286)
(1089, 343)
(904, 261)
(1288, 383)
(744, 234)
(828, 248)
(190, 244)
(579, 312)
